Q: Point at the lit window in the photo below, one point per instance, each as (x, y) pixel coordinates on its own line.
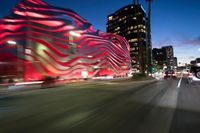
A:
(110, 18)
(132, 48)
(124, 17)
(131, 27)
(27, 51)
(135, 27)
(134, 40)
(143, 31)
(133, 61)
(117, 28)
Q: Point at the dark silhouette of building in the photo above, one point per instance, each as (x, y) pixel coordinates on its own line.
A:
(158, 57)
(175, 62)
(130, 22)
(164, 57)
(169, 58)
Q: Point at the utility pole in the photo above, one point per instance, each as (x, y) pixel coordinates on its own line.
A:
(149, 44)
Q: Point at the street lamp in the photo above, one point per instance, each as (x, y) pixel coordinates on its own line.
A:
(12, 42)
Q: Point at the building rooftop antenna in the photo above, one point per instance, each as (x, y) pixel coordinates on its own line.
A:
(136, 2)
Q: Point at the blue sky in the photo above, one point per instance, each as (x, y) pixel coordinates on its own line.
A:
(174, 22)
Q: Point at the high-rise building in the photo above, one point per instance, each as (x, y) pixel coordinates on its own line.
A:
(130, 22)
(158, 57)
(164, 56)
(169, 56)
(175, 62)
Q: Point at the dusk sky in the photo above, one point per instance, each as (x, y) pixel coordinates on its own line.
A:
(174, 22)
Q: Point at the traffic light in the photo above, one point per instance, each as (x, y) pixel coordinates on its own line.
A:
(152, 69)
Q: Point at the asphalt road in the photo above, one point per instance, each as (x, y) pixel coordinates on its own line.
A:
(104, 107)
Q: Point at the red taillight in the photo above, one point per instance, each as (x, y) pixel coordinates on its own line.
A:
(189, 74)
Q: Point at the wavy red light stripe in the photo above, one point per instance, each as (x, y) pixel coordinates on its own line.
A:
(42, 34)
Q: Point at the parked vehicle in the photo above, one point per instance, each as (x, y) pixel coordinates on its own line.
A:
(194, 74)
(48, 82)
(186, 71)
(198, 62)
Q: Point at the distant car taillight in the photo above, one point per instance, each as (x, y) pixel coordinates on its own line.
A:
(189, 74)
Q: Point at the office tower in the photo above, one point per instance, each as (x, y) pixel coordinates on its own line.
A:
(130, 22)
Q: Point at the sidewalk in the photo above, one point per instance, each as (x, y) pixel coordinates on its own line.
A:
(7, 89)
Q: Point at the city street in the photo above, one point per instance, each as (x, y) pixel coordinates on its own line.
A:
(104, 107)
(99, 66)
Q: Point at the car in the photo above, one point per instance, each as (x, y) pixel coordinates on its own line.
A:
(198, 62)
(170, 74)
(185, 71)
(193, 74)
(48, 82)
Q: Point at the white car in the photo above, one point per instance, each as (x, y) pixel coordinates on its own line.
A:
(185, 71)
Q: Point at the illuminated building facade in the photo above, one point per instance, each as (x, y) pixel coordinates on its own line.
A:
(130, 22)
(39, 40)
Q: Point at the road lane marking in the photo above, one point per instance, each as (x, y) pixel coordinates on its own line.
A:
(179, 83)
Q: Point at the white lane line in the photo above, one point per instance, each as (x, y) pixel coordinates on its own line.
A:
(179, 83)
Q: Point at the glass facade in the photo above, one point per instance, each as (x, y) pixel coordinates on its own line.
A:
(130, 22)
